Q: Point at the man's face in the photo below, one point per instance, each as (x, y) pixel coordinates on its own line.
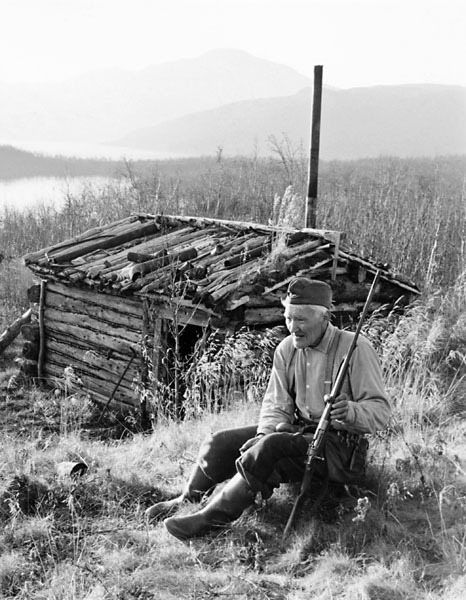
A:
(306, 324)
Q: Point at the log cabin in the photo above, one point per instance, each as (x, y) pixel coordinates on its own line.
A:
(115, 294)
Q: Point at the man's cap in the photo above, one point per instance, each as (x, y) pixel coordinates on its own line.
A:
(302, 290)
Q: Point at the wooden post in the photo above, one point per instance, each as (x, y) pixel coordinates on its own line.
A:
(40, 365)
(311, 203)
(145, 421)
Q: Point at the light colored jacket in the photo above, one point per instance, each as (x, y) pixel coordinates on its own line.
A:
(296, 385)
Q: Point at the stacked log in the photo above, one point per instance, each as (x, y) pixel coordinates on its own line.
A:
(96, 335)
(100, 241)
(109, 269)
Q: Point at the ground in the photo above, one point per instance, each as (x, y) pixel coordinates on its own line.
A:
(400, 536)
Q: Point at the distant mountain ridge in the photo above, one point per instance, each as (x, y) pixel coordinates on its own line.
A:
(407, 120)
(232, 99)
(17, 164)
(107, 104)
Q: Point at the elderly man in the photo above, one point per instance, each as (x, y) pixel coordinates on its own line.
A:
(258, 458)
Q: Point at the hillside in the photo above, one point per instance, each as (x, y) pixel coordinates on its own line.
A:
(232, 99)
(109, 103)
(408, 120)
(16, 163)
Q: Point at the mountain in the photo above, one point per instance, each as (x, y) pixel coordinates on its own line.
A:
(232, 99)
(106, 104)
(405, 120)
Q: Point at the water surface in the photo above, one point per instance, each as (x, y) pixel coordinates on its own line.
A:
(31, 192)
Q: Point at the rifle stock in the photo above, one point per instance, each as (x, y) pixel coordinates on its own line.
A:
(318, 439)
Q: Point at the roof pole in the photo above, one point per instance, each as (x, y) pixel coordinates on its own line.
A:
(311, 202)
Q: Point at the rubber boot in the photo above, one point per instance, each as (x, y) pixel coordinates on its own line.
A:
(224, 507)
(198, 484)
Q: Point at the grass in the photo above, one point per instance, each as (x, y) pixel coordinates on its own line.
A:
(400, 535)
(14, 281)
(64, 537)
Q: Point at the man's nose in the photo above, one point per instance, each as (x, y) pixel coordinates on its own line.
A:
(293, 326)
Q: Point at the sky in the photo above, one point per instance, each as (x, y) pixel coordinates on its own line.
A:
(358, 42)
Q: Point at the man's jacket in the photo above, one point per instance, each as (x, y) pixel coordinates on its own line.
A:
(296, 386)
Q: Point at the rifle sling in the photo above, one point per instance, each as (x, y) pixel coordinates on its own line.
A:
(330, 367)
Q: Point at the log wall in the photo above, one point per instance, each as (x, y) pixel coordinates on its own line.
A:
(98, 335)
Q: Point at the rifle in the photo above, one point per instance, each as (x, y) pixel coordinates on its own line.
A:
(318, 439)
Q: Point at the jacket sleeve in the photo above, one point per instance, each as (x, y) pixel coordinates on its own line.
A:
(278, 404)
(369, 409)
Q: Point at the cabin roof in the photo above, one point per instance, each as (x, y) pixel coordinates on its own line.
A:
(210, 262)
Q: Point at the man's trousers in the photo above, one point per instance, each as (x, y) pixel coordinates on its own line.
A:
(275, 458)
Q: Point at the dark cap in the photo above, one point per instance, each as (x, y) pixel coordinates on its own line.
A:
(302, 290)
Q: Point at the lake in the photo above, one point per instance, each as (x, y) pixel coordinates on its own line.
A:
(30, 192)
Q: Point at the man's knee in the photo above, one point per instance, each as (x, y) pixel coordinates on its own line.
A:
(216, 443)
(219, 451)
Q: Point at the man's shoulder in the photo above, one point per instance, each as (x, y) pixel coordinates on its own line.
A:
(345, 335)
(363, 343)
(349, 335)
(346, 338)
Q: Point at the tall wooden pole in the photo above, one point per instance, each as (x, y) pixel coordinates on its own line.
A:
(41, 359)
(311, 202)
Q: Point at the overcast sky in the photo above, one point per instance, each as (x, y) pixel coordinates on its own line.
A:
(359, 42)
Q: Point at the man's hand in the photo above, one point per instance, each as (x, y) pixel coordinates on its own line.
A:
(251, 442)
(340, 409)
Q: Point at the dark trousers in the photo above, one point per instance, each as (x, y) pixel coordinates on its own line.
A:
(276, 458)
